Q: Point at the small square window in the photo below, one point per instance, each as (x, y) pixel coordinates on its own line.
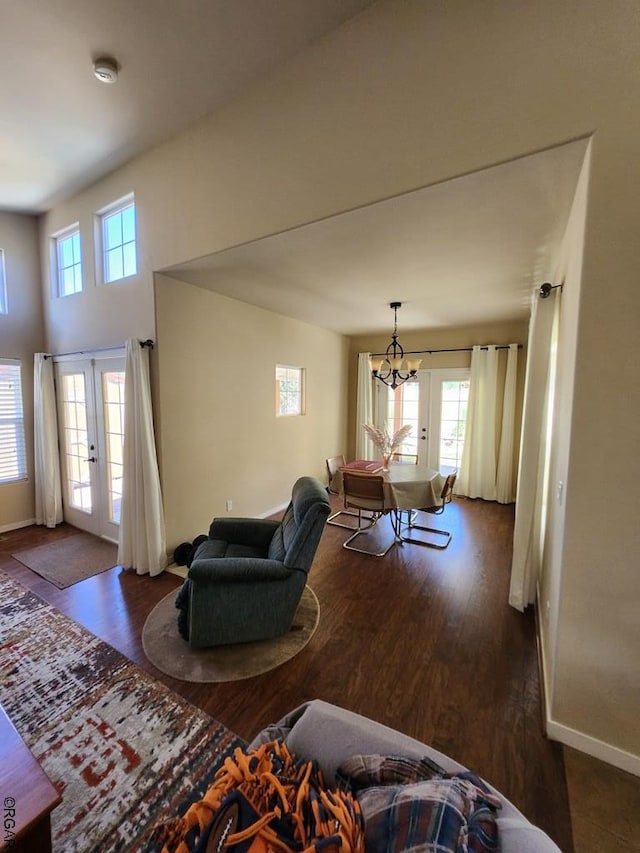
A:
(118, 234)
(290, 391)
(68, 261)
(3, 286)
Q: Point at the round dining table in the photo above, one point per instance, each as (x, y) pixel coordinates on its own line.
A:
(405, 486)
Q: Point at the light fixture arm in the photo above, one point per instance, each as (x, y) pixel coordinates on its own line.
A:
(395, 373)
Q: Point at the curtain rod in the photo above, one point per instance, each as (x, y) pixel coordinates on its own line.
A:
(455, 349)
(148, 343)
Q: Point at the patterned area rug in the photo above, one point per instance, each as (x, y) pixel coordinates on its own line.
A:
(121, 748)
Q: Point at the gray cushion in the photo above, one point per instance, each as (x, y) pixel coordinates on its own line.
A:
(330, 734)
(216, 548)
(283, 536)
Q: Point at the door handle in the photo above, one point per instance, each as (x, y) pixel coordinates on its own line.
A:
(92, 459)
(423, 437)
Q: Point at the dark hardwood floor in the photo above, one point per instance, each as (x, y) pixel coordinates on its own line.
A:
(421, 640)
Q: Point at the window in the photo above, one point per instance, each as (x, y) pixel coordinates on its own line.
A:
(3, 286)
(289, 390)
(68, 261)
(13, 463)
(113, 401)
(435, 405)
(118, 236)
(403, 407)
(453, 418)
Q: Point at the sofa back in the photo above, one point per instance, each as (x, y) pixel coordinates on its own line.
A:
(296, 540)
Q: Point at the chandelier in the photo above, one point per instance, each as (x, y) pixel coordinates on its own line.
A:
(390, 368)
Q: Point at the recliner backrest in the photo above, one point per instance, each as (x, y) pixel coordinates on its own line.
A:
(295, 541)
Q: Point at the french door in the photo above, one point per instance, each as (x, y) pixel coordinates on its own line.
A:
(90, 397)
(435, 404)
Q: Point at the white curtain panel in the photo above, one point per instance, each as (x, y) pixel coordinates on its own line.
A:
(45, 444)
(364, 408)
(525, 565)
(477, 476)
(142, 544)
(505, 480)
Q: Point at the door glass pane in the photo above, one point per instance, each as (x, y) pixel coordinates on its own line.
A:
(403, 408)
(76, 441)
(453, 416)
(113, 400)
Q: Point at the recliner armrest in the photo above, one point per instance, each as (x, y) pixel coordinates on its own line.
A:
(257, 532)
(237, 570)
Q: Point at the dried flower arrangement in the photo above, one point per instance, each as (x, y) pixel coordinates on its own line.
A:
(386, 443)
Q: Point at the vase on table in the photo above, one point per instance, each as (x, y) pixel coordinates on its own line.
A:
(385, 463)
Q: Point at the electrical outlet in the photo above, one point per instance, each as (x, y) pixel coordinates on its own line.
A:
(229, 505)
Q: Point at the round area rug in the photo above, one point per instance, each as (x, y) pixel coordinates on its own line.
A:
(166, 649)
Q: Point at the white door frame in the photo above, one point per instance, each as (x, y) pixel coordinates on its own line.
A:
(91, 511)
(429, 411)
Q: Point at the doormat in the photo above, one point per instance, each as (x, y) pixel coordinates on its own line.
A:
(122, 749)
(70, 560)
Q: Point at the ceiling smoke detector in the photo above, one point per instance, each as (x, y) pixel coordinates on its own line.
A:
(106, 69)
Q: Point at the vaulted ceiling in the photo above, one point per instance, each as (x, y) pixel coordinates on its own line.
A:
(62, 129)
(462, 252)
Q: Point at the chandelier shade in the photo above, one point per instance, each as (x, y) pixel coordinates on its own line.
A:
(392, 368)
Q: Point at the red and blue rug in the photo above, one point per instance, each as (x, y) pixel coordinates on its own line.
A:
(122, 749)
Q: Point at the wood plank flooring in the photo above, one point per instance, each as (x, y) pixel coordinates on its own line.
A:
(421, 640)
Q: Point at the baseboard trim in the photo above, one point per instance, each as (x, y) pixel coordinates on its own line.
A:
(17, 525)
(274, 511)
(180, 571)
(567, 736)
(595, 748)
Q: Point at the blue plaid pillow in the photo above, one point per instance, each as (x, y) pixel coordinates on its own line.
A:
(411, 804)
(453, 814)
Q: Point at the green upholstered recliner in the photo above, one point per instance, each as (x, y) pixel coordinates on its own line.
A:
(245, 581)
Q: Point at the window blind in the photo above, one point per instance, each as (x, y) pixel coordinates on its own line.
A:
(13, 462)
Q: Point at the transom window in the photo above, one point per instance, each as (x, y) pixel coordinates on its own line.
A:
(13, 460)
(290, 390)
(68, 261)
(119, 253)
(3, 286)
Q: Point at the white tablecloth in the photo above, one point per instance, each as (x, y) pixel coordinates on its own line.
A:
(406, 486)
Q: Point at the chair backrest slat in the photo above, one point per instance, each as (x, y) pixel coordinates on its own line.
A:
(363, 487)
(447, 488)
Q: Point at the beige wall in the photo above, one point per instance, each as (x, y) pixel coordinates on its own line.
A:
(103, 315)
(21, 334)
(566, 304)
(407, 94)
(220, 438)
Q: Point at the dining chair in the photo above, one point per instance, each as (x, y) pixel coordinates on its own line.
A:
(445, 498)
(405, 458)
(365, 492)
(334, 463)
